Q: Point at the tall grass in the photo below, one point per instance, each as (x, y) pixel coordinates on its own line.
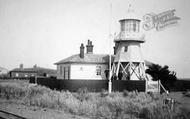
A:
(117, 105)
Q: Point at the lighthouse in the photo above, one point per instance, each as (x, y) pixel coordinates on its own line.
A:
(129, 63)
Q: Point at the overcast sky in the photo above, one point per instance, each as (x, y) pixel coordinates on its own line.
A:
(43, 32)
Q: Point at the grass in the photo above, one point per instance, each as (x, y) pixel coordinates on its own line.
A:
(117, 105)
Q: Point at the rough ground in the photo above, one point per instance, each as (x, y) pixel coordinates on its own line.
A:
(182, 99)
(32, 112)
(35, 112)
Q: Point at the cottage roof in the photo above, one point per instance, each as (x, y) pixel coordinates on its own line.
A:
(88, 58)
(92, 59)
(35, 70)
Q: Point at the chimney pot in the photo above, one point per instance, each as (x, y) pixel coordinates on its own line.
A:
(35, 66)
(114, 49)
(82, 51)
(21, 66)
(89, 47)
(88, 42)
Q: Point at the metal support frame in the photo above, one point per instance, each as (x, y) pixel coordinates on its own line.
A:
(138, 70)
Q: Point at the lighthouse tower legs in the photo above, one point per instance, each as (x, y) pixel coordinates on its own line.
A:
(129, 70)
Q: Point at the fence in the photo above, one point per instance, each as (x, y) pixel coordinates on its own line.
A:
(16, 78)
(91, 85)
(120, 85)
(178, 85)
(153, 86)
(98, 85)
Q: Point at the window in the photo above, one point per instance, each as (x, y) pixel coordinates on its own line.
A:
(69, 73)
(137, 26)
(61, 70)
(134, 26)
(122, 26)
(125, 49)
(98, 70)
(64, 73)
(127, 27)
(131, 26)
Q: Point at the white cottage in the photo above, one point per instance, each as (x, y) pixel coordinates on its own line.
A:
(87, 65)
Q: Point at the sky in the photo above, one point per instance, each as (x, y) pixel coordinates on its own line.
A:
(43, 32)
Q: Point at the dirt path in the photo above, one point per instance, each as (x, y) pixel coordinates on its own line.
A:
(183, 100)
(35, 112)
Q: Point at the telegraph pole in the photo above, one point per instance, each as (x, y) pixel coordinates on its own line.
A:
(110, 39)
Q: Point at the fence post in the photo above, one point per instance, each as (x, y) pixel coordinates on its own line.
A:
(109, 86)
(146, 86)
(164, 88)
(159, 86)
(35, 81)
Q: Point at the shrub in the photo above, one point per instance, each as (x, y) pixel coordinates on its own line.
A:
(104, 112)
(126, 105)
(88, 108)
(184, 113)
(12, 90)
(114, 94)
(103, 93)
(117, 106)
(187, 93)
(71, 104)
(82, 94)
(125, 93)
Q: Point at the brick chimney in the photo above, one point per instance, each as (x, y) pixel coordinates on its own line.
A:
(82, 51)
(89, 47)
(35, 66)
(21, 66)
(115, 48)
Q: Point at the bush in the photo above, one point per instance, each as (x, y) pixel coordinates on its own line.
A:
(12, 90)
(126, 105)
(125, 93)
(82, 94)
(103, 93)
(88, 108)
(187, 93)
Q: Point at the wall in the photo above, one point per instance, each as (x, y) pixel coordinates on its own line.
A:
(120, 85)
(178, 85)
(91, 85)
(23, 74)
(98, 85)
(88, 71)
(63, 71)
(133, 52)
(52, 83)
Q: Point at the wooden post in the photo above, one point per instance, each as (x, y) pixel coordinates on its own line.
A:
(118, 66)
(35, 80)
(159, 86)
(146, 86)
